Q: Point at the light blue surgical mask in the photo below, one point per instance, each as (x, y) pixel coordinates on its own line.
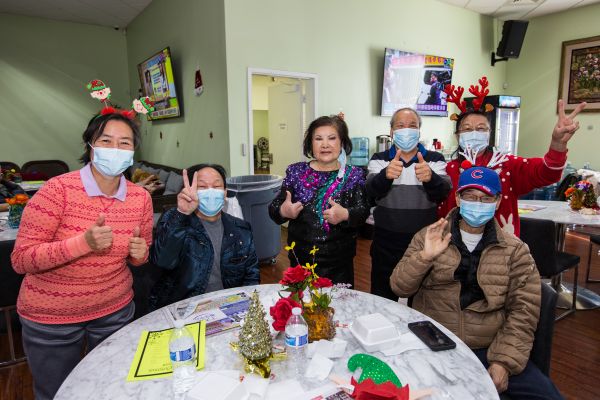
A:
(210, 201)
(406, 139)
(476, 213)
(477, 140)
(110, 161)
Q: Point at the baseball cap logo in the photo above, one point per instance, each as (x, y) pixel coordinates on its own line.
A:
(477, 174)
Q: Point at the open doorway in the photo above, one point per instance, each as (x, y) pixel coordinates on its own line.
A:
(281, 104)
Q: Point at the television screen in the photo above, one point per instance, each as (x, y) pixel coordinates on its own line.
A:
(156, 77)
(415, 80)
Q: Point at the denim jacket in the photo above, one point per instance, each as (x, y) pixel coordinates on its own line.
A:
(183, 249)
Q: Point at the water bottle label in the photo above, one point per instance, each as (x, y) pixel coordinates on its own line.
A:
(183, 355)
(296, 341)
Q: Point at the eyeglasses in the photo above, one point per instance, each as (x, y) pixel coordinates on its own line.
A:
(474, 197)
(468, 128)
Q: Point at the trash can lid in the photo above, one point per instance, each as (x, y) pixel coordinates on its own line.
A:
(253, 182)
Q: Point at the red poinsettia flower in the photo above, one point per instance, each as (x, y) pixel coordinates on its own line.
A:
(294, 275)
(322, 282)
(281, 312)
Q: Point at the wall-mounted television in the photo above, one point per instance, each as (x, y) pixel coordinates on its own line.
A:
(415, 80)
(158, 83)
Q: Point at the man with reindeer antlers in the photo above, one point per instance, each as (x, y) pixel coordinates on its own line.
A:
(518, 175)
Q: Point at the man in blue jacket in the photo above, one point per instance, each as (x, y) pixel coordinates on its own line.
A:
(201, 248)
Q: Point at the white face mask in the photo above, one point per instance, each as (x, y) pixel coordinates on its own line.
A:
(111, 161)
(477, 140)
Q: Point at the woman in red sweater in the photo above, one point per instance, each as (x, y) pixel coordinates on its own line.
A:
(76, 236)
(518, 175)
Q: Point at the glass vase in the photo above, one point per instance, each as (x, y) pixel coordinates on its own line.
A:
(14, 215)
(320, 323)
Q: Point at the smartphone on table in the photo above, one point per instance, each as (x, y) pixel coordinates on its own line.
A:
(431, 335)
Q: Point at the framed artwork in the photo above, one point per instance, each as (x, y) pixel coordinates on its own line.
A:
(580, 73)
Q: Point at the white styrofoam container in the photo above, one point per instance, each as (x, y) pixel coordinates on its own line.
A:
(374, 332)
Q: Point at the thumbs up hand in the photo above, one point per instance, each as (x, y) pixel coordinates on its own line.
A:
(395, 167)
(137, 245)
(422, 169)
(336, 213)
(99, 236)
(288, 209)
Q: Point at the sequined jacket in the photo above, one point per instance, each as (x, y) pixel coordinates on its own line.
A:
(314, 188)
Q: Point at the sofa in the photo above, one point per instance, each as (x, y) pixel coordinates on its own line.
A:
(172, 179)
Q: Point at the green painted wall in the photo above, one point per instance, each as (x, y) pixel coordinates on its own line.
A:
(343, 42)
(261, 124)
(44, 67)
(535, 77)
(194, 30)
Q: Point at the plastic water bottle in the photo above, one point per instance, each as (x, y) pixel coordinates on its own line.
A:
(296, 341)
(182, 349)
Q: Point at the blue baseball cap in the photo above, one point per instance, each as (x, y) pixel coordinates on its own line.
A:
(481, 178)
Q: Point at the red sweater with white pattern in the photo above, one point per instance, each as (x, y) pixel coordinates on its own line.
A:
(518, 176)
(65, 281)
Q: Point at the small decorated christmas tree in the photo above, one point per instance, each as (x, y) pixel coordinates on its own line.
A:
(255, 338)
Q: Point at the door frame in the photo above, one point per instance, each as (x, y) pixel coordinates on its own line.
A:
(276, 73)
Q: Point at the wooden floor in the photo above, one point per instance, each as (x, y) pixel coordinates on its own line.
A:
(576, 347)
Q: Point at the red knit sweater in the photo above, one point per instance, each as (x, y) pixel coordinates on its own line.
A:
(65, 281)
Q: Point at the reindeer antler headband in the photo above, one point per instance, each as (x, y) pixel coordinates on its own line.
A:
(100, 91)
(455, 95)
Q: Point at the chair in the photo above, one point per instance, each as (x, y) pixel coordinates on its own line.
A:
(541, 352)
(540, 236)
(10, 283)
(594, 240)
(45, 169)
(8, 165)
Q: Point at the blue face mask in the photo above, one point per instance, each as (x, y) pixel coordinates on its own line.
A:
(475, 213)
(111, 161)
(406, 139)
(477, 140)
(210, 201)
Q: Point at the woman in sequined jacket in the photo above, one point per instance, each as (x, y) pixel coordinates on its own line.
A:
(324, 201)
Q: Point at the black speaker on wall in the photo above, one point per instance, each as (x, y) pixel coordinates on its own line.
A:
(513, 34)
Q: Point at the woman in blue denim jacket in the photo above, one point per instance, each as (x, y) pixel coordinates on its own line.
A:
(200, 248)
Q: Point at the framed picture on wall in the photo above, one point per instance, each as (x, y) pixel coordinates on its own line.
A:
(580, 73)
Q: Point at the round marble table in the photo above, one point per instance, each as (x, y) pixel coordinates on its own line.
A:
(457, 373)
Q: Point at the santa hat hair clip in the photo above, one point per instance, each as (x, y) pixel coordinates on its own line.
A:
(100, 91)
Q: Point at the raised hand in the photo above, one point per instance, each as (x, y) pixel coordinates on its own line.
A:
(187, 199)
(435, 240)
(395, 167)
(288, 209)
(137, 245)
(336, 213)
(422, 169)
(565, 127)
(99, 236)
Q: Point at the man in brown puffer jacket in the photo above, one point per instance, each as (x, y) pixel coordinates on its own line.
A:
(481, 283)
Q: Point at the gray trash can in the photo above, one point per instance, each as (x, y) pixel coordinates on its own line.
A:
(255, 193)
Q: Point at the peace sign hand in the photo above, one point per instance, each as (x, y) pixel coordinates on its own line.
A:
(187, 199)
(565, 126)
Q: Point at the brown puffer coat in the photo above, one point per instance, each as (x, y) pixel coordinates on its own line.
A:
(505, 321)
